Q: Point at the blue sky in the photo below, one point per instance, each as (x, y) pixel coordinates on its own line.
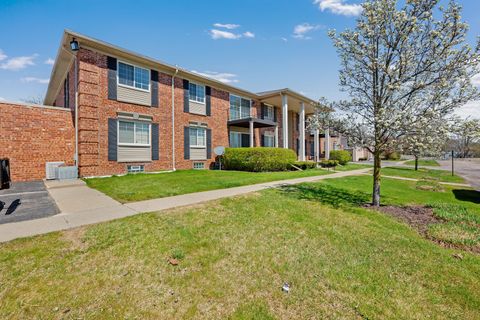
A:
(254, 44)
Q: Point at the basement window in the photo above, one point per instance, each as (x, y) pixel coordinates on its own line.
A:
(135, 169)
(198, 165)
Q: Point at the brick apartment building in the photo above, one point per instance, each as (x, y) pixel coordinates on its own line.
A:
(111, 111)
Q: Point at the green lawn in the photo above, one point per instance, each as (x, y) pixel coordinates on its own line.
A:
(234, 254)
(352, 166)
(137, 187)
(423, 162)
(439, 175)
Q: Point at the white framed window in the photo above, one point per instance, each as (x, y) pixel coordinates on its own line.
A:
(133, 76)
(132, 133)
(269, 140)
(239, 107)
(197, 93)
(135, 169)
(269, 113)
(198, 137)
(198, 165)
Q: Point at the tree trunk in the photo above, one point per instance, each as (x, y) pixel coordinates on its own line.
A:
(376, 179)
(416, 163)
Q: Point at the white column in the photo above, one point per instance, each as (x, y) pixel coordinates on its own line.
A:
(327, 144)
(251, 133)
(302, 132)
(276, 136)
(285, 121)
(316, 145)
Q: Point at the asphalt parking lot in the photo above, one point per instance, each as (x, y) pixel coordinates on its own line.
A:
(26, 201)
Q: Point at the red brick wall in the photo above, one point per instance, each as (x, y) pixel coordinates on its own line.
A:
(95, 109)
(30, 136)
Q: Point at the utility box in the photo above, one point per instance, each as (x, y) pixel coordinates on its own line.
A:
(66, 172)
(4, 173)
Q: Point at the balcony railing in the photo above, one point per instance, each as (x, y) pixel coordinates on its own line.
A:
(236, 115)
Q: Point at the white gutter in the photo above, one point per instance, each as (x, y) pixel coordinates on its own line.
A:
(173, 119)
(76, 111)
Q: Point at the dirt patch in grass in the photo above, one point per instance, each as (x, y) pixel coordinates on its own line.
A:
(76, 237)
(423, 219)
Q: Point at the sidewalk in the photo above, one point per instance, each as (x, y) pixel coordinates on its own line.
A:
(80, 205)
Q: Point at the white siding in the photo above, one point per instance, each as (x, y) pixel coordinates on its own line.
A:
(131, 95)
(134, 154)
(198, 153)
(197, 108)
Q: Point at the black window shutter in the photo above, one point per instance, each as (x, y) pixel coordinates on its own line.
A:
(274, 114)
(208, 100)
(154, 87)
(263, 110)
(186, 96)
(155, 137)
(262, 141)
(209, 143)
(186, 143)
(112, 139)
(112, 78)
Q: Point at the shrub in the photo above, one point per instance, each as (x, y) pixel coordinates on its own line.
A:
(362, 159)
(342, 156)
(392, 155)
(329, 163)
(258, 159)
(304, 165)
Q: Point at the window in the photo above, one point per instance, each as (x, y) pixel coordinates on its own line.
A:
(197, 93)
(135, 169)
(66, 92)
(134, 77)
(133, 133)
(239, 140)
(198, 165)
(268, 140)
(269, 113)
(239, 108)
(198, 137)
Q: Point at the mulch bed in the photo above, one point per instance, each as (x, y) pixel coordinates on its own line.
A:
(420, 217)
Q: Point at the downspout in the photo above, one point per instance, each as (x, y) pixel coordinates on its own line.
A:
(76, 111)
(173, 119)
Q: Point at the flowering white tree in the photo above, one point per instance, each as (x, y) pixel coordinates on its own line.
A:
(321, 119)
(465, 134)
(425, 138)
(400, 66)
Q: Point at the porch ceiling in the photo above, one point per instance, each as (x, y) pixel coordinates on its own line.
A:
(257, 123)
(293, 102)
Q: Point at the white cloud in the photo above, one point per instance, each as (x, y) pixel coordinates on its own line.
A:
(220, 76)
(219, 34)
(3, 56)
(284, 39)
(300, 31)
(229, 26)
(249, 34)
(34, 79)
(2, 99)
(18, 63)
(339, 7)
(471, 109)
(49, 61)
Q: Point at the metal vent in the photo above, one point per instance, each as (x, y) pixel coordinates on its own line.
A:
(50, 169)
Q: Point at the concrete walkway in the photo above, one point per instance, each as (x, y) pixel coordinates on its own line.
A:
(455, 184)
(80, 205)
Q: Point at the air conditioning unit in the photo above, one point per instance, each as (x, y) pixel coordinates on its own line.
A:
(66, 172)
(50, 169)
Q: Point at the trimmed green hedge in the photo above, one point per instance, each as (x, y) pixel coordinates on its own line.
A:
(342, 156)
(259, 159)
(329, 163)
(304, 165)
